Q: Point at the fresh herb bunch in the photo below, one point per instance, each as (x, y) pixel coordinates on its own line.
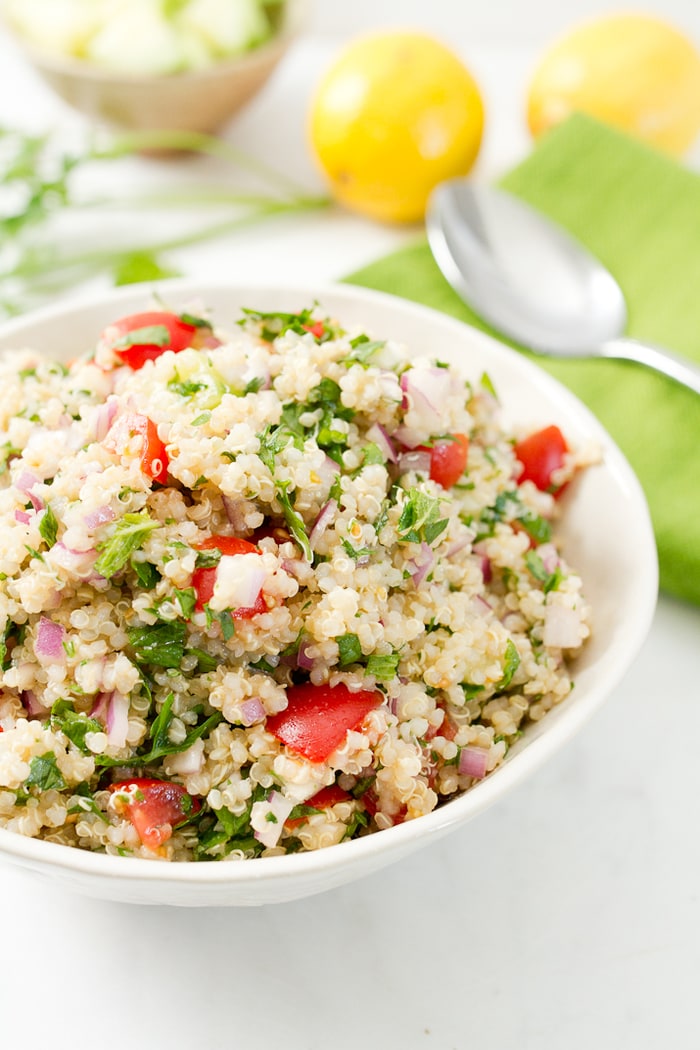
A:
(41, 185)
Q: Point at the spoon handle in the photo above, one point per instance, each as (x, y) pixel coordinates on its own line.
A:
(683, 371)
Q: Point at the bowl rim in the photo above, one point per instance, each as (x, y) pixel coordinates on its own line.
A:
(294, 18)
(518, 765)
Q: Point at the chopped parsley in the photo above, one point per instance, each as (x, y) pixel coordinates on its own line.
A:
(363, 350)
(48, 527)
(511, 663)
(146, 573)
(349, 649)
(549, 580)
(149, 335)
(186, 599)
(128, 536)
(383, 665)
(162, 644)
(159, 735)
(75, 725)
(420, 519)
(44, 774)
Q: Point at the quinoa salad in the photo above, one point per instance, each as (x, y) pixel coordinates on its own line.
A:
(267, 590)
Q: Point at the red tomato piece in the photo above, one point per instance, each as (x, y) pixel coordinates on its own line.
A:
(203, 579)
(448, 460)
(317, 329)
(541, 454)
(228, 545)
(327, 796)
(156, 807)
(318, 717)
(165, 330)
(154, 458)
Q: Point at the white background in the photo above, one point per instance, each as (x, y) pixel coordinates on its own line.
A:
(564, 918)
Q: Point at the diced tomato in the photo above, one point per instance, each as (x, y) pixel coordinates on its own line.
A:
(227, 545)
(156, 807)
(448, 459)
(154, 458)
(204, 579)
(318, 717)
(541, 454)
(327, 796)
(166, 331)
(317, 329)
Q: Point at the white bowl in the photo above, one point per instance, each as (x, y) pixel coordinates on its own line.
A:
(606, 532)
(201, 100)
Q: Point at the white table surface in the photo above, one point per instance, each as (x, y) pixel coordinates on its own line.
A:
(567, 916)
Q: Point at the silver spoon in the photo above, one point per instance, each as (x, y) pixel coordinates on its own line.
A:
(533, 282)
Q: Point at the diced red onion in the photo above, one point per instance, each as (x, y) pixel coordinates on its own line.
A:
(117, 721)
(562, 627)
(98, 517)
(99, 708)
(457, 546)
(482, 603)
(23, 517)
(426, 391)
(420, 569)
(49, 640)
(210, 342)
(486, 572)
(549, 555)
(242, 577)
(25, 483)
(379, 435)
(269, 831)
(252, 711)
(234, 512)
(328, 471)
(104, 417)
(292, 566)
(323, 520)
(79, 563)
(407, 437)
(473, 762)
(417, 460)
(32, 705)
(187, 762)
(304, 661)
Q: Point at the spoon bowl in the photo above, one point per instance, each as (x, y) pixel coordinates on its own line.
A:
(533, 281)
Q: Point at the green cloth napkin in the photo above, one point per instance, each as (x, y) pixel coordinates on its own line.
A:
(639, 212)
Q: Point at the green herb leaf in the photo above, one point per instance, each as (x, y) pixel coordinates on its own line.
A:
(205, 662)
(128, 536)
(186, 599)
(349, 649)
(44, 774)
(74, 725)
(147, 574)
(295, 522)
(511, 663)
(383, 666)
(162, 645)
(201, 419)
(149, 335)
(207, 559)
(48, 527)
(160, 737)
(363, 350)
(420, 518)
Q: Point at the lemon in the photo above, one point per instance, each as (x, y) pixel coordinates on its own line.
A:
(395, 114)
(633, 71)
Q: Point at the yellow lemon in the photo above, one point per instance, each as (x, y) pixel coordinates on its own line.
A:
(633, 71)
(396, 113)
